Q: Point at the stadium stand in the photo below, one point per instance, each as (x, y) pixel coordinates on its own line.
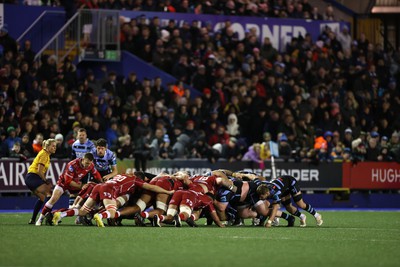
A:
(331, 99)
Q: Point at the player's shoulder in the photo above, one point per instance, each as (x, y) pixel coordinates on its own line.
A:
(110, 153)
(76, 142)
(89, 142)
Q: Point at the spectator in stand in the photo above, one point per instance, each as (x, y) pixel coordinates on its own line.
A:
(61, 151)
(7, 42)
(165, 151)
(373, 149)
(253, 154)
(112, 135)
(394, 146)
(285, 150)
(9, 142)
(26, 146)
(125, 148)
(232, 128)
(359, 147)
(142, 152)
(180, 148)
(156, 143)
(231, 151)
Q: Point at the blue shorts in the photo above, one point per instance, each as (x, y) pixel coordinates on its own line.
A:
(33, 181)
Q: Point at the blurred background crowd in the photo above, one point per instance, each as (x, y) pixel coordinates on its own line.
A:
(331, 99)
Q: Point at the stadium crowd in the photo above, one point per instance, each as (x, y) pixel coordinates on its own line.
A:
(335, 98)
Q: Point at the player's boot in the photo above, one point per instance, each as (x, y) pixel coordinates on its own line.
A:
(319, 220)
(49, 219)
(291, 221)
(118, 221)
(275, 222)
(191, 222)
(156, 221)
(303, 219)
(139, 220)
(111, 222)
(31, 221)
(38, 222)
(56, 217)
(178, 222)
(238, 222)
(98, 220)
(255, 221)
(78, 220)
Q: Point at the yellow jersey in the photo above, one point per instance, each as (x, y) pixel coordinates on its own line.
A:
(42, 158)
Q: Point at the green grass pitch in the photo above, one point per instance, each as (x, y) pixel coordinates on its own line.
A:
(345, 239)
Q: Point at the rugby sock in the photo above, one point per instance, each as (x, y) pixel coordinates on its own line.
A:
(69, 213)
(36, 209)
(144, 214)
(284, 216)
(297, 213)
(47, 208)
(105, 215)
(117, 214)
(182, 216)
(310, 209)
(193, 217)
(262, 219)
(162, 218)
(316, 214)
(71, 201)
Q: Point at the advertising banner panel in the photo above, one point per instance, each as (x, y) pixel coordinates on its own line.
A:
(280, 31)
(371, 175)
(322, 176)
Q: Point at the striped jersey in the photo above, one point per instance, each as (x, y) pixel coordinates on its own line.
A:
(104, 164)
(79, 150)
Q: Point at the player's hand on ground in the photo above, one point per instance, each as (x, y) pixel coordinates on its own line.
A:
(268, 224)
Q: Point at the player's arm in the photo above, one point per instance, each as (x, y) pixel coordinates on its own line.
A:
(157, 189)
(77, 185)
(216, 219)
(225, 171)
(224, 181)
(220, 173)
(275, 208)
(111, 174)
(220, 208)
(96, 175)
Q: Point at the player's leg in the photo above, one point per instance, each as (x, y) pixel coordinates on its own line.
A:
(287, 203)
(110, 213)
(121, 200)
(289, 218)
(298, 198)
(168, 218)
(184, 213)
(245, 212)
(89, 203)
(171, 211)
(142, 203)
(160, 208)
(193, 217)
(57, 193)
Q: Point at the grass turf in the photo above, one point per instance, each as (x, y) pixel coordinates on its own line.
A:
(345, 239)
